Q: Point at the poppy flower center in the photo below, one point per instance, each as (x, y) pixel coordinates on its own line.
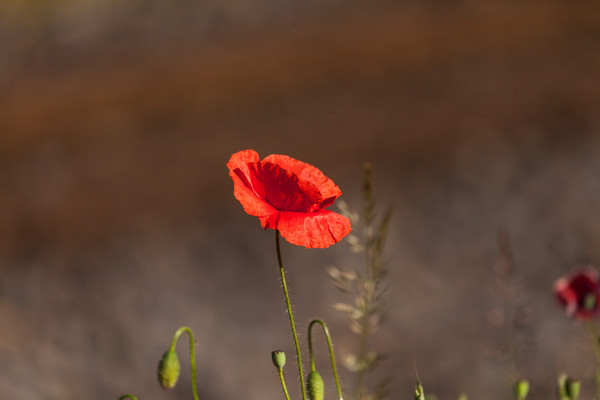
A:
(589, 302)
(283, 189)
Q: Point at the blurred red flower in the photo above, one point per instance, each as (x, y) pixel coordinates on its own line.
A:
(579, 293)
(290, 196)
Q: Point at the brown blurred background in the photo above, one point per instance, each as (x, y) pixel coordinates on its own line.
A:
(118, 223)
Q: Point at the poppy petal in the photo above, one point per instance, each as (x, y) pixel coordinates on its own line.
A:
(282, 188)
(319, 229)
(306, 172)
(252, 204)
(243, 190)
(238, 165)
(566, 296)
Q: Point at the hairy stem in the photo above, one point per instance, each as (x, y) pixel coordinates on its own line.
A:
(289, 309)
(331, 355)
(192, 355)
(285, 391)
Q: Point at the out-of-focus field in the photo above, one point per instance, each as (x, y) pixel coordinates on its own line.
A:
(118, 222)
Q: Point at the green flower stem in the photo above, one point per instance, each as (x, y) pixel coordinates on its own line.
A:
(127, 395)
(285, 391)
(331, 355)
(192, 355)
(289, 308)
(593, 332)
(595, 338)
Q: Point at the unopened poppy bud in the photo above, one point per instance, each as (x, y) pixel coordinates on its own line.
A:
(278, 357)
(572, 388)
(419, 393)
(315, 386)
(521, 389)
(168, 369)
(568, 388)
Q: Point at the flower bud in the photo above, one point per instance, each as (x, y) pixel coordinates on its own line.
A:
(521, 389)
(168, 369)
(568, 388)
(278, 357)
(419, 393)
(315, 386)
(573, 388)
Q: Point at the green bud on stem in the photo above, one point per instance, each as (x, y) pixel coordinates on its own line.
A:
(168, 369)
(521, 389)
(315, 386)
(568, 388)
(419, 393)
(278, 357)
(573, 388)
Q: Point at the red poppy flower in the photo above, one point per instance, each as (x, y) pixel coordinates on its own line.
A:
(290, 196)
(579, 293)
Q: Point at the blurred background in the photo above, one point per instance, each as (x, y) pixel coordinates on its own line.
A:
(118, 222)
